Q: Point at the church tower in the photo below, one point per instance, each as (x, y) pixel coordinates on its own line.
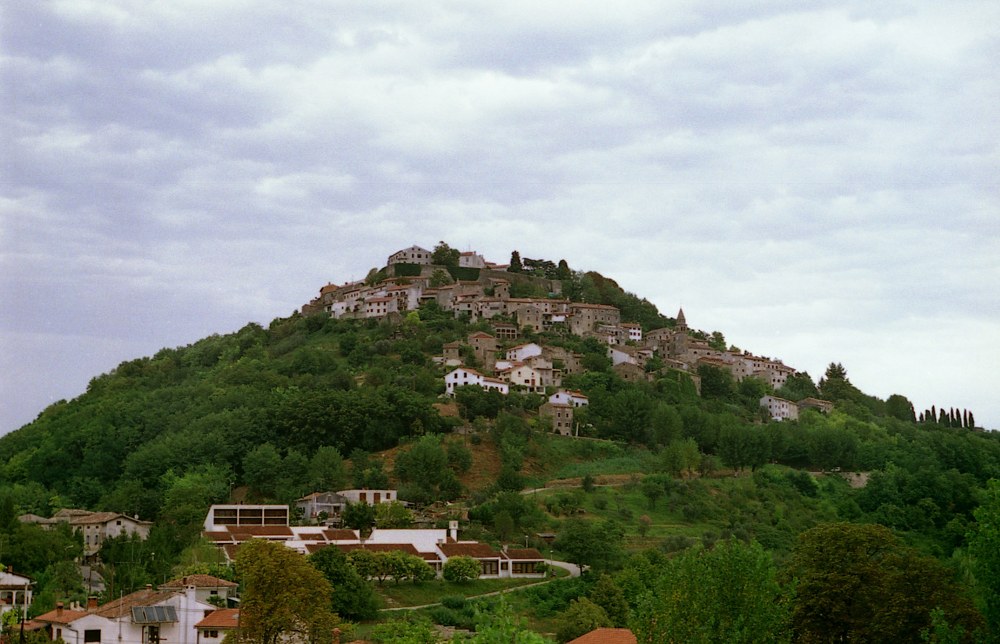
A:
(679, 346)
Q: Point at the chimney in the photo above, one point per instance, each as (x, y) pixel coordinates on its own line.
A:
(59, 608)
(453, 530)
(91, 603)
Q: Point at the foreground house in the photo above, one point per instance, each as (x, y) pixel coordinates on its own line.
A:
(15, 592)
(147, 616)
(216, 625)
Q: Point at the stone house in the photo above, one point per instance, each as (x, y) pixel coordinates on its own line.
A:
(630, 372)
(561, 416)
(411, 255)
(484, 346)
(779, 408)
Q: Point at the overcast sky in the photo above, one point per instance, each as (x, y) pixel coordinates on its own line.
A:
(817, 180)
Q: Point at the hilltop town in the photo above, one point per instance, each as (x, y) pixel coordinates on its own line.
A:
(468, 285)
(449, 424)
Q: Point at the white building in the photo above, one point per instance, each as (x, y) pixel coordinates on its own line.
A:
(15, 592)
(411, 255)
(570, 397)
(779, 408)
(143, 617)
(220, 516)
(463, 376)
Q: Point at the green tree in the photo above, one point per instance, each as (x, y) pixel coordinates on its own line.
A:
(860, 583)
(588, 543)
(351, 596)
(445, 255)
(900, 407)
(358, 516)
(259, 468)
(327, 472)
(408, 630)
(726, 594)
(461, 569)
(392, 515)
(423, 467)
(984, 547)
(798, 386)
(500, 625)
(716, 382)
(607, 594)
(580, 618)
(515, 263)
(743, 446)
(439, 278)
(283, 596)
(681, 457)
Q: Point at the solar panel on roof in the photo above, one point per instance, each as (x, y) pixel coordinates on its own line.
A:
(153, 614)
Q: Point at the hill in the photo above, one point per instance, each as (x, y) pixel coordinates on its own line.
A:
(275, 412)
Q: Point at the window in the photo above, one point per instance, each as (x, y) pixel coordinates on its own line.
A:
(92, 635)
(211, 634)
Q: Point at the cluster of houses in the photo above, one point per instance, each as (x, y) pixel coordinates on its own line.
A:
(189, 610)
(95, 527)
(229, 526)
(531, 367)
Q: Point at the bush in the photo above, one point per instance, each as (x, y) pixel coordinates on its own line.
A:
(461, 569)
(455, 602)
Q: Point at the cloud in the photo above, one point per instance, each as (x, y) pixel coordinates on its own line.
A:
(816, 180)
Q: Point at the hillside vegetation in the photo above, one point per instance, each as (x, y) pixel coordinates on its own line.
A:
(314, 403)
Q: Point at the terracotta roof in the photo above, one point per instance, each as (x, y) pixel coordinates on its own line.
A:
(260, 530)
(123, 605)
(606, 636)
(199, 581)
(482, 334)
(310, 536)
(342, 534)
(61, 616)
(222, 619)
(523, 553)
(474, 550)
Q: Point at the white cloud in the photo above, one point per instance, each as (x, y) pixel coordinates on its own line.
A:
(818, 181)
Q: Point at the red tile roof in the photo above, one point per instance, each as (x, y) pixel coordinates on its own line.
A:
(61, 616)
(123, 605)
(606, 636)
(341, 534)
(246, 531)
(474, 550)
(222, 619)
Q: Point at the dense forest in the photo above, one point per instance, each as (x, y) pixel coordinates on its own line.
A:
(711, 490)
